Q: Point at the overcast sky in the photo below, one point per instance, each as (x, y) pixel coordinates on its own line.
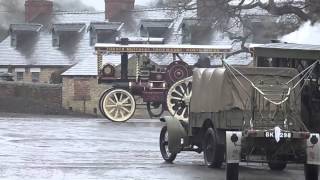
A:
(99, 4)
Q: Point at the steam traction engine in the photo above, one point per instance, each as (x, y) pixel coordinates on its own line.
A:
(149, 83)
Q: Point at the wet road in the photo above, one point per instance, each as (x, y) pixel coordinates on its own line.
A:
(78, 148)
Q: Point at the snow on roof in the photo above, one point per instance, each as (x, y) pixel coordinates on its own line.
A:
(116, 26)
(25, 27)
(290, 46)
(69, 27)
(39, 54)
(155, 23)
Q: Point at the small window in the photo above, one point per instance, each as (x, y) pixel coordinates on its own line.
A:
(35, 76)
(19, 76)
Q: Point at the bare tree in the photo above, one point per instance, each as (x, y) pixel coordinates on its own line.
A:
(228, 14)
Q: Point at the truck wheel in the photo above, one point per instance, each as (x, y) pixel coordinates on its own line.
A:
(277, 166)
(212, 152)
(155, 109)
(232, 171)
(164, 146)
(311, 172)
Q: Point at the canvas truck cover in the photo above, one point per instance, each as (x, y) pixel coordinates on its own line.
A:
(216, 89)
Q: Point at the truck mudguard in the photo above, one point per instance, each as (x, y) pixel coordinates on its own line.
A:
(176, 134)
(233, 146)
(313, 150)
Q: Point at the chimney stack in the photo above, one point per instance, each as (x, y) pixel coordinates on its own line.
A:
(114, 8)
(34, 8)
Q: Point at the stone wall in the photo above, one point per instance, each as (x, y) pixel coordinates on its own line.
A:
(82, 94)
(21, 97)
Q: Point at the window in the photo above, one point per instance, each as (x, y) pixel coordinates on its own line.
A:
(19, 76)
(35, 76)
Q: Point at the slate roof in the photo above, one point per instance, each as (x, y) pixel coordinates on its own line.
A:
(42, 53)
(81, 54)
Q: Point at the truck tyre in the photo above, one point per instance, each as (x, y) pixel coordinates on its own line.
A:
(311, 172)
(166, 155)
(213, 153)
(277, 166)
(232, 171)
(155, 109)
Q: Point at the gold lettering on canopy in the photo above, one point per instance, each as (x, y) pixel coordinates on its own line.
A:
(160, 50)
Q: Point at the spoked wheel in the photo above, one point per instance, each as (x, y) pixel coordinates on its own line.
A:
(212, 152)
(117, 105)
(155, 109)
(101, 101)
(178, 98)
(164, 146)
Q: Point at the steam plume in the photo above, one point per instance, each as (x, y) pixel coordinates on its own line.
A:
(71, 5)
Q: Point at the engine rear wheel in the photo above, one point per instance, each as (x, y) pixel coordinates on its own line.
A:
(178, 99)
(164, 146)
(117, 105)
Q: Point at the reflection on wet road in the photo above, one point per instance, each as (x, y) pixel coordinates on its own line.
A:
(76, 148)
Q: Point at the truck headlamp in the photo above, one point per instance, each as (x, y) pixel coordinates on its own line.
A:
(314, 140)
(234, 138)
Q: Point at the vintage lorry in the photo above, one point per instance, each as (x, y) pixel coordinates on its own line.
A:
(243, 114)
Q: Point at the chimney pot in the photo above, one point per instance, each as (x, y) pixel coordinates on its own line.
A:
(114, 8)
(34, 8)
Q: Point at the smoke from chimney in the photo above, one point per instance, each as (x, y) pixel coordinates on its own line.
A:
(306, 34)
(71, 5)
(11, 12)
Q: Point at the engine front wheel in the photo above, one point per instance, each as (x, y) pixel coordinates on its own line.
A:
(117, 105)
(164, 146)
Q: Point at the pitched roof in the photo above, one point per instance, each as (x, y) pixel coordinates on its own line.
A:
(81, 54)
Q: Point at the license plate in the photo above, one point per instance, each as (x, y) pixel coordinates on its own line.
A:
(282, 135)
